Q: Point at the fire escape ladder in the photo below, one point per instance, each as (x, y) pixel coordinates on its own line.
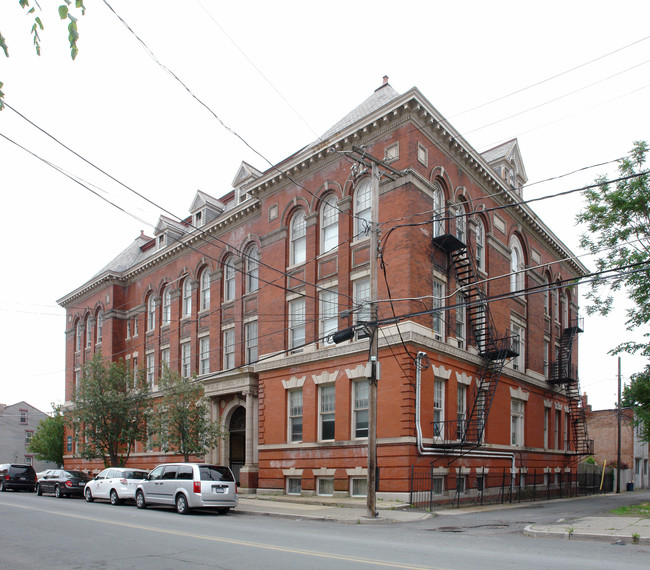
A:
(494, 351)
(564, 372)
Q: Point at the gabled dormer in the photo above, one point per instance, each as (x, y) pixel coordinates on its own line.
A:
(168, 232)
(245, 174)
(506, 161)
(205, 208)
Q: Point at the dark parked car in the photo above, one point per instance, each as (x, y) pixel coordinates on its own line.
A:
(17, 476)
(62, 483)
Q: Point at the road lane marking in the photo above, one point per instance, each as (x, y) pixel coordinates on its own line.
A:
(313, 553)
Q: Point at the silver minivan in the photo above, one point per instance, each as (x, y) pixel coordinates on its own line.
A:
(188, 486)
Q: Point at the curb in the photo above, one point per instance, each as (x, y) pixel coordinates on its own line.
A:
(529, 530)
(320, 518)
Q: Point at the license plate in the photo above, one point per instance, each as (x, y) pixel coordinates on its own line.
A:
(217, 489)
(82, 484)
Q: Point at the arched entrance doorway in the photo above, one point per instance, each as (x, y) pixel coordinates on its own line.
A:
(237, 443)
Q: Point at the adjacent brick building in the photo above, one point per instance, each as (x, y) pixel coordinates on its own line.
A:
(477, 327)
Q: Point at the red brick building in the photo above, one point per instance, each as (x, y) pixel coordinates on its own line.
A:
(476, 327)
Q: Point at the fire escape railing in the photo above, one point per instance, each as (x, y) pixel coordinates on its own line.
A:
(564, 372)
(494, 350)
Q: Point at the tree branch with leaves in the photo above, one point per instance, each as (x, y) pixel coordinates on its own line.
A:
(65, 12)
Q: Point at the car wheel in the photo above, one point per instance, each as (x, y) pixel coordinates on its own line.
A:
(115, 499)
(223, 510)
(88, 495)
(139, 500)
(39, 491)
(57, 492)
(181, 505)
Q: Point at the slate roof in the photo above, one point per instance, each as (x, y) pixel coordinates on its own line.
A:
(499, 151)
(129, 257)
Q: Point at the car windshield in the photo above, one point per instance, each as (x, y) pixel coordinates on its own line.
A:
(79, 474)
(134, 474)
(215, 473)
(21, 469)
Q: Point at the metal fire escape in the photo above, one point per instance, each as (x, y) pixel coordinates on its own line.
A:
(564, 372)
(494, 350)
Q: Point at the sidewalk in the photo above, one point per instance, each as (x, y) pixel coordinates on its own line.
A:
(615, 529)
(619, 530)
(345, 510)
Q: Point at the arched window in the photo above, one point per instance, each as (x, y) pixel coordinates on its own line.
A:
(99, 324)
(252, 269)
(89, 332)
(362, 209)
(166, 305)
(329, 223)
(516, 265)
(151, 313)
(565, 310)
(298, 252)
(547, 295)
(229, 279)
(77, 336)
(461, 222)
(438, 211)
(204, 289)
(187, 297)
(480, 244)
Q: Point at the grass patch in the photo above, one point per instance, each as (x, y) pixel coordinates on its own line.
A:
(641, 510)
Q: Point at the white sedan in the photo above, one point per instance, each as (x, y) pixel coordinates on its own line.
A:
(115, 484)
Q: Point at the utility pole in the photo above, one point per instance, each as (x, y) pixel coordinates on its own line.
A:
(374, 345)
(618, 418)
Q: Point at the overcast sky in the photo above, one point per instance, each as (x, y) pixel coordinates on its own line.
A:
(279, 74)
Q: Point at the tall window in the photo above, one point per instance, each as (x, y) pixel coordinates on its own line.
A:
(547, 295)
(187, 297)
(438, 407)
(438, 211)
(150, 370)
(480, 244)
(328, 313)
(296, 323)
(547, 412)
(361, 294)
(516, 265)
(151, 313)
(252, 269)
(517, 422)
(547, 348)
(556, 434)
(295, 415)
(329, 222)
(298, 253)
(99, 323)
(228, 349)
(461, 329)
(250, 332)
(89, 332)
(166, 305)
(360, 412)
(204, 289)
(186, 360)
(362, 209)
(164, 358)
(327, 407)
(519, 342)
(229, 279)
(461, 223)
(565, 310)
(461, 409)
(438, 315)
(204, 355)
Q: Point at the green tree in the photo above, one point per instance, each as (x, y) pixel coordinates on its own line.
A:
(180, 421)
(37, 25)
(617, 218)
(47, 442)
(109, 411)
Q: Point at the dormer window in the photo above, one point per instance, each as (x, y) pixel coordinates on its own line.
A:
(198, 219)
(161, 241)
